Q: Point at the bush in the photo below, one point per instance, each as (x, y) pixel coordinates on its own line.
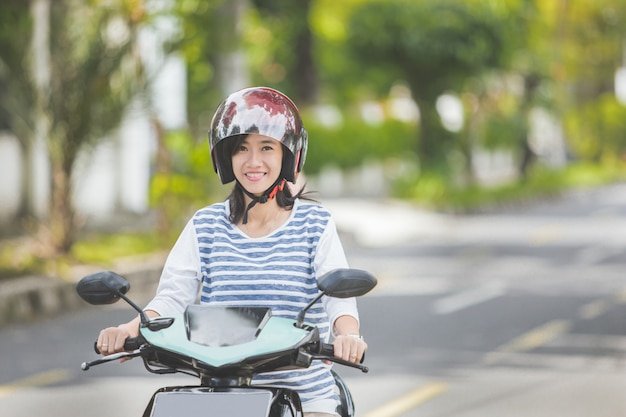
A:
(437, 193)
(354, 141)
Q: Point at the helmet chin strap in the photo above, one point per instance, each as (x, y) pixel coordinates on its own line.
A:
(269, 194)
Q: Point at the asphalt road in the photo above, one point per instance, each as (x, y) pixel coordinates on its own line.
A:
(514, 312)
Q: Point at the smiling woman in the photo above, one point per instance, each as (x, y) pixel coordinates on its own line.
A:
(265, 246)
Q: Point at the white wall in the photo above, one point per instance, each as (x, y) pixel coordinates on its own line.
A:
(94, 181)
(10, 177)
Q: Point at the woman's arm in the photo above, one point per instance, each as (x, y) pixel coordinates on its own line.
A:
(342, 313)
(178, 287)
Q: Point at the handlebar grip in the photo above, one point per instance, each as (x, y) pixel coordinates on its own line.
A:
(131, 343)
(327, 349)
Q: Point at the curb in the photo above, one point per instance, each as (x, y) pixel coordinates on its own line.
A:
(30, 298)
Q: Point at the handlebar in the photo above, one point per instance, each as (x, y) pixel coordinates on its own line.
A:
(132, 347)
(132, 343)
(326, 351)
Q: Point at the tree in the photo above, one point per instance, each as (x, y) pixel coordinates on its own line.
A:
(289, 63)
(16, 90)
(590, 38)
(435, 47)
(84, 69)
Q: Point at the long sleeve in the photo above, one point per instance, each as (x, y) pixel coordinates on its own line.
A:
(330, 255)
(181, 276)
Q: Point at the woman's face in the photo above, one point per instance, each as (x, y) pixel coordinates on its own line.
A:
(257, 163)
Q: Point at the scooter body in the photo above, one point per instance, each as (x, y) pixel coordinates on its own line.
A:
(225, 346)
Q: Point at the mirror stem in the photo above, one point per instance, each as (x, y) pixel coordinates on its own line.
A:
(142, 314)
(300, 319)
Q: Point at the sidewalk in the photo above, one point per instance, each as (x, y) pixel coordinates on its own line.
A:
(380, 223)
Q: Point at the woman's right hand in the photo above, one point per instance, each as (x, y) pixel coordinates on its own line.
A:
(111, 340)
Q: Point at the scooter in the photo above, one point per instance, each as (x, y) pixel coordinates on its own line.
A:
(225, 347)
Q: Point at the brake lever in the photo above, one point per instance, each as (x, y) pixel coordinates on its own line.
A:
(109, 358)
(340, 361)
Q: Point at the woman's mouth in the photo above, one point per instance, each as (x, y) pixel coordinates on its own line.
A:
(254, 176)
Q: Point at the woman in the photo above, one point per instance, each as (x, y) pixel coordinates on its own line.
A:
(263, 246)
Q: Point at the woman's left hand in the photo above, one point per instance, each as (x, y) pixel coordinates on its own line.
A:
(350, 347)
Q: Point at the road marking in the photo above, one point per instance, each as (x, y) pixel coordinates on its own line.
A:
(620, 298)
(466, 299)
(530, 340)
(45, 378)
(409, 401)
(546, 234)
(594, 309)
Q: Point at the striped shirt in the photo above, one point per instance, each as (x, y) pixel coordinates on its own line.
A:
(277, 271)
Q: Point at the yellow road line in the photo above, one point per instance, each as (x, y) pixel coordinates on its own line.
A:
(45, 378)
(594, 309)
(621, 297)
(409, 401)
(530, 340)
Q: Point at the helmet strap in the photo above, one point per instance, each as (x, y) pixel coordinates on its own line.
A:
(269, 194)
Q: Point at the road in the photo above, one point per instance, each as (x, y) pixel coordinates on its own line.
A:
(515, 312)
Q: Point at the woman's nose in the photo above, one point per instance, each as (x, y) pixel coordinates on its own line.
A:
(254, 157)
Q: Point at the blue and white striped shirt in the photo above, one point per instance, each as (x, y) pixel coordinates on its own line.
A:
(277, 271)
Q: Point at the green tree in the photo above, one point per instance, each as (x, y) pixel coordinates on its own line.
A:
(591, 39)
(283, 56)
(73, 87)
(435, 47)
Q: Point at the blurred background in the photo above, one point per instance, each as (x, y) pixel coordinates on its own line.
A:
(477, 126)
(452, 105)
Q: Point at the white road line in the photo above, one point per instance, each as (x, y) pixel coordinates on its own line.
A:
(465, 299)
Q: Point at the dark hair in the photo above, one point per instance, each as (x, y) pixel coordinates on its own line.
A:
(238, 205)
(236, 199)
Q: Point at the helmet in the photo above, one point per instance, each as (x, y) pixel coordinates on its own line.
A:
(259, 110)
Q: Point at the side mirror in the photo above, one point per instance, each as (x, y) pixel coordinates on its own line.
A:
(107, 287)
(346, 283)
(104, 287)
(340, 283)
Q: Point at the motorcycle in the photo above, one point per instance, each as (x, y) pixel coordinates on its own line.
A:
(225, 346)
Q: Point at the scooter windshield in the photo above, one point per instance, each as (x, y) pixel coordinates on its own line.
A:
(217, 326)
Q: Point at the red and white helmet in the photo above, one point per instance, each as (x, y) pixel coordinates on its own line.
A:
(261, 110)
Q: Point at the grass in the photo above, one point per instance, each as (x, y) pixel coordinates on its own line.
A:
(105, 248)
(436, 193)
(19, 257)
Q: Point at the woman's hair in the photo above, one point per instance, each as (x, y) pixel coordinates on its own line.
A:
(284, 197)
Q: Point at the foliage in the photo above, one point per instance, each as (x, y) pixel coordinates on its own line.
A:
(437, 193)
(87, 72)
(433, 55)
(202, 40)
(562, 56)
(353, 142)
(188, 184)
(279, 43)
(597, 130)
(15, 90)
(103, 249)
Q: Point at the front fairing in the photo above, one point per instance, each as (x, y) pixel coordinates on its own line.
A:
(274, 344)
(193, 401)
